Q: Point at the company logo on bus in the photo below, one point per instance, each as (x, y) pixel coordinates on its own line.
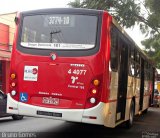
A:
(53, 56)
(30, 73)
(34, 71)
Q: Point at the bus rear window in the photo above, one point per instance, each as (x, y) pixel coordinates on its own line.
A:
(59, 32)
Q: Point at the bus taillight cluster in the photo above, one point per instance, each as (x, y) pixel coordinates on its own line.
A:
(93, 94)
(13, 84)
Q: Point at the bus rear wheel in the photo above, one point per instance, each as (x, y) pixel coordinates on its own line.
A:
(129, 123)
(17, 117)
(145, 111)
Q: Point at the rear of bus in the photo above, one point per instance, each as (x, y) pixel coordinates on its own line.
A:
(58, 65)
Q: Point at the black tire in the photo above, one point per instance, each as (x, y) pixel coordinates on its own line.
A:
(17, 117)
(129, 123)
(145, 111)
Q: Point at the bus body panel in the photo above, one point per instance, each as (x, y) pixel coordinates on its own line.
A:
(55, 79)
(64, 81)
(60, 86)
(64, 77)
(60, 81)
(80, 115)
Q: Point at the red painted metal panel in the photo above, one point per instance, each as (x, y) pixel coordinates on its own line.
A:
(4, 56)
(5, 76)
(54, 78)
(4, 36)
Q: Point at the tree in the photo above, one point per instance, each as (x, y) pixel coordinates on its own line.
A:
(75, 4)
(152, 44)
(125, 12)
(128, 13)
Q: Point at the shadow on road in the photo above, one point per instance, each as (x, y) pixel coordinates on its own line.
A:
(71, 130)
(4, 120)
(146, 123)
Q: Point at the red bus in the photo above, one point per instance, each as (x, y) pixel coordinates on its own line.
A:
(77, 65)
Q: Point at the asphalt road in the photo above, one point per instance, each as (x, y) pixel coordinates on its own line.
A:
(145, 126)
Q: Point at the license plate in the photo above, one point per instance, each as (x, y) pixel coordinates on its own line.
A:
(50, 100)
(49, 113)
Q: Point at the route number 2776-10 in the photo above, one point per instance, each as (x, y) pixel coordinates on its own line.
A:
(77, 71)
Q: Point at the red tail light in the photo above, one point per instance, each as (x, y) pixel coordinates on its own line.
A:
(94, 93)
(13, 84)
(96, 82)
(13, 76)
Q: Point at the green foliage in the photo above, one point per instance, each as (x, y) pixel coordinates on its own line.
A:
(152, 44)
(75, 4)
(129, 12)
(124, 11)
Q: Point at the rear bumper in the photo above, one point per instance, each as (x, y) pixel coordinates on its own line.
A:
(74, 115)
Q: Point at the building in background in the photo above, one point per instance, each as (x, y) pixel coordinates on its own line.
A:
(7, 29)
(157, 82)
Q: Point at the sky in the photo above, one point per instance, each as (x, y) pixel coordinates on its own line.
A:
(8, 6)
(22, 5)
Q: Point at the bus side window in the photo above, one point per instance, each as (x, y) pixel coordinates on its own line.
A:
(150, 72)
(114, 50)
(137, 71)
(146, 73)
(131, 68)
(131, 61)
(137, 65)
(29, 35)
